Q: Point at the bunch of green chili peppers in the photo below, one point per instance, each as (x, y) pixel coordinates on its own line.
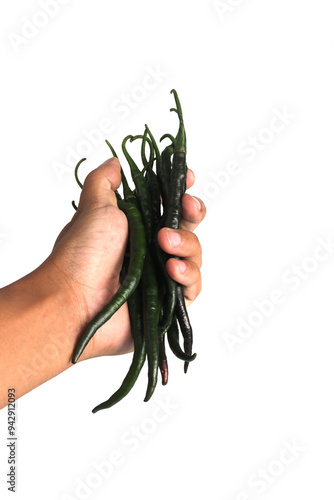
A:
(155, 301)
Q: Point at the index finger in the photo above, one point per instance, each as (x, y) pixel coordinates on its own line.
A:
(190, 178)
(193, 212)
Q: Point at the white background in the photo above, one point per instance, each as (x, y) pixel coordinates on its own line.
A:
(238, 405)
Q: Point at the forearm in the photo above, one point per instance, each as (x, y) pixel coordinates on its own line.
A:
(39, 326)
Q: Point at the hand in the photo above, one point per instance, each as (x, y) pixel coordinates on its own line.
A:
(184, 243)
(88, 256)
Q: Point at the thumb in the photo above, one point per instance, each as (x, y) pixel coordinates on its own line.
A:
(100, 186)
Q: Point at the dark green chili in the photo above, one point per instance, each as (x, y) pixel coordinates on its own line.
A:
(150, 177)
(157, 159)
(137, 257)
(184, 322)
(160, 256)
(143, 194)
(153, 186)
(177, 184)
(173, 207)
(168, 136)
(173, 341)
(155, 301)
(112, 149)
(165, 172)
(76, 171)
(127, 193)
(151, 317)
(147, 163)
(139, 354)
(77, 179)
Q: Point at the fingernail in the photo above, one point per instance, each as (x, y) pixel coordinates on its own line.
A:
(110, 161)
(181, 266)
(105, 162)
(174, 238)
(198, 203)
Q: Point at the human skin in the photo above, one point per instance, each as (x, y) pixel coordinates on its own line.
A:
(43, 314)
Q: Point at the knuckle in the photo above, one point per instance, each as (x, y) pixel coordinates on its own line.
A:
(194, 291)
(114, 160)
(199, 286)
(194, 273)
(200, 257)
(203, 212)
(193, 238)
(91, 176)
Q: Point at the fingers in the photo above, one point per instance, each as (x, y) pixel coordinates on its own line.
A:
(99, 186)
(187, 273)
(184, 243)
(190, 178)
(181, 243)
(98, 190)
(193, 212)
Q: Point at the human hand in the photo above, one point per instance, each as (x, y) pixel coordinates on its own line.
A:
(88, 256)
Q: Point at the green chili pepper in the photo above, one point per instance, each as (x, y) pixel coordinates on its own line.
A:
(151, 317)
(144, 199)
(128, 194)
(155, 148)
(76, 171)
(137, 257)
(173, 341)
(112, 149)
(139, 355)
(184, 322)
(173, 207)
(165, 172)
(150, 177)
(147, 163)
(155, 301)
(77, 179)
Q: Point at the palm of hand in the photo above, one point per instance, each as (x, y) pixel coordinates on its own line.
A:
(90, 256)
